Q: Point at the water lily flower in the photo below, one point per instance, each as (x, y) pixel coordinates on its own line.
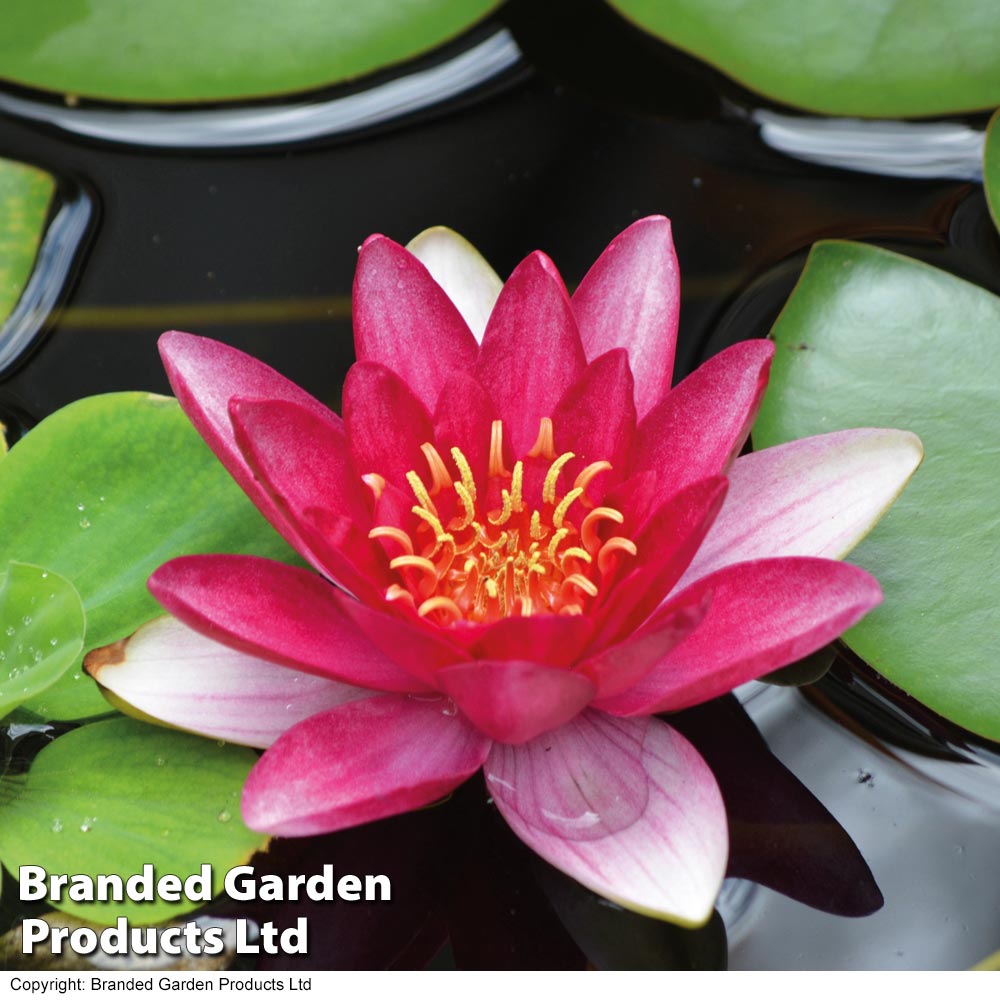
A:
(526, 547)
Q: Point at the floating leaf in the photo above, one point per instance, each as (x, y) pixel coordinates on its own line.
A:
(873, 58)
(991, 168)
(25, 195)
(113, 796)
(41, 632)
(869, 339)
(173, 51)
(103, 492)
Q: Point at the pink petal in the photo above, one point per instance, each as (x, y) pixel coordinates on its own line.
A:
(404, 320)
(631, 298)
(627, 807)
(763, 615)
(622, 666)
(458, 267)
(596, 418)
(303, 464)
(361, 762)
(205, 375)
(282, 613)
(415, 644)
(531, 352)
(557, 640)
(815, 497)
(464, 420)
(700, 426)
(665, 547)
(513, 701)
(171, 673)
(386, 424)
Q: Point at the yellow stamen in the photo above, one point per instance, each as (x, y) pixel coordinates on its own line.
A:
(468, 502)
(532, 556)
(584, 477)
(544, 446)
(496, 468)
(468, 482)
(588, 530)
(559, 514)
(375, 483)
(551, 477)
(396, 534)
(516, 487)
(440, 480)
(432, 519)
(414, 562)
(613, 546)
(420, 492)
(443, 606)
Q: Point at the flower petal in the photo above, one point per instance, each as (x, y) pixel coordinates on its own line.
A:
(513, 701)
(622, 666)
(404, 320)
(282, 613)
(700, 426)
(174, 674)
(464, 420)
(303, 464)
(627, 807)
(631, 298)
(818, 496)
(596, 418)
(763, 615)
(459, 268)
(386, 424)
(665, 546)
(205, 375)
(360, 762)
(531, 352)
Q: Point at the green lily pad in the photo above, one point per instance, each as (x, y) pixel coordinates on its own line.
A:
(113, 796)
(25, 195)
(872, 339)
(873, 58)
(42, 626)
(103, 492)
(174, 51)
(991, 168)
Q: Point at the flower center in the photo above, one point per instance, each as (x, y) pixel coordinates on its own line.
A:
(479, 558)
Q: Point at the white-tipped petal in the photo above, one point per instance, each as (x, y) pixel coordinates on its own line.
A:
(460, 269)
(175, 675)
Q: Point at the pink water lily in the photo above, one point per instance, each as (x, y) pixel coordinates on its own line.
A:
(527, 545)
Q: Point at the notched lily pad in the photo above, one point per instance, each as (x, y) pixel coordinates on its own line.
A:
(25, 198)
(884, 58)
(895, 343)
(42, 626)
(113, 796)
(183, 51)
(115, 486)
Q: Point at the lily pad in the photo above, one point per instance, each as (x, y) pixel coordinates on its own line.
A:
(872, 339)
(111, 797)
(25, 196)
(181, 51)
(103, 492)
(991, 168)
(872, 58)
(41, 632)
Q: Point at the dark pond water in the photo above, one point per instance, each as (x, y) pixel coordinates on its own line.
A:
(593, 126)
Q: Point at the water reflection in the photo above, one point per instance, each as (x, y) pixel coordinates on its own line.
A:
(931, 839)
(275, 124)
(53, 266)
